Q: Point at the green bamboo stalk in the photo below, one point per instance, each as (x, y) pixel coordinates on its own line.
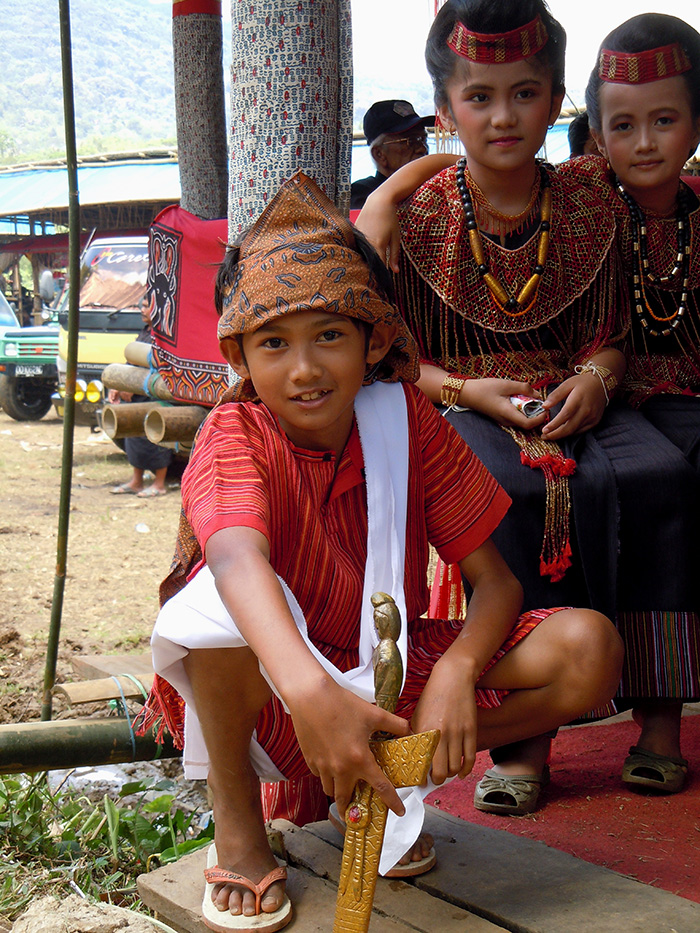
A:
(72, 361)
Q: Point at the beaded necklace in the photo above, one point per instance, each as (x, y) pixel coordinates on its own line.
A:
(643, 274)
(503, 223)
(511, 305)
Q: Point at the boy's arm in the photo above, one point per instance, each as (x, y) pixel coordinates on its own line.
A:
(333, 725)
(377, 218)
(448, 702)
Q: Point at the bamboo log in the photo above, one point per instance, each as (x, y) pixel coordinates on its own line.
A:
(138, 353)
(174, 423)
(126, 418)
(128, 378)
(76, 743)
(104, 688)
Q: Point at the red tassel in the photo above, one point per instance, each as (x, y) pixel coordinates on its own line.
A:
(164, 709)
(555, 569)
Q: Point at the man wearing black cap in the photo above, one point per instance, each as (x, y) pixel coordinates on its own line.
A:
(396, 135)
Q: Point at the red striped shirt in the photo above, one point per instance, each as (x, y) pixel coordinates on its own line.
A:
(245, 471)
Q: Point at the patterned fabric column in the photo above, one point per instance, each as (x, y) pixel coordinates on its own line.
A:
(291, 100)
(199, 107)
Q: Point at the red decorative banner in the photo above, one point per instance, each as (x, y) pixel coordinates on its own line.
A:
(185, 7)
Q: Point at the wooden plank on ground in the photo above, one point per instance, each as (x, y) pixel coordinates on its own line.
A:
(93, 666)
(102, 689)
(175, 892)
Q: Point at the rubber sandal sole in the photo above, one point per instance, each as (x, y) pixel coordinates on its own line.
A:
(411, 870)
(222, 921)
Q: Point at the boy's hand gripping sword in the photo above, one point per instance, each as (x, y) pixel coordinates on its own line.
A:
(405, 761)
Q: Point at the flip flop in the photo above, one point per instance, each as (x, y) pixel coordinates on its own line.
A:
(643, 768)
(411, 870)
(151, 493)
(223, 920)
(124, 490)
(509, 794)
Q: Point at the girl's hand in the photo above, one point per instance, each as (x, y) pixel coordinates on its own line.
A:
(379, 223)
(584, 404)
(492, 397)
(333, 727)
(448, 703)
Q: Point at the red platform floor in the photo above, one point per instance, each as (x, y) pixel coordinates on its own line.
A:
(588, 812)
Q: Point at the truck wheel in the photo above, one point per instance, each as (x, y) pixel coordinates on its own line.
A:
(24, 399)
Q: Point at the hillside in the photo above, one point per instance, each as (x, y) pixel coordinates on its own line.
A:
(123, 78)
(122, 64)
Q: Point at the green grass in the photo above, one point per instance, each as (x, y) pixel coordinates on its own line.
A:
(58, 842)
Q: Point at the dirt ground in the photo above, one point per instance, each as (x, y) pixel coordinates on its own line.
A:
(119, 549)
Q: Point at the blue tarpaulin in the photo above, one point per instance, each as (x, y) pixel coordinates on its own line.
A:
(43, 189)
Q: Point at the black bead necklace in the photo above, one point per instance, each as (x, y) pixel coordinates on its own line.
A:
(642, 273)
(513, 306)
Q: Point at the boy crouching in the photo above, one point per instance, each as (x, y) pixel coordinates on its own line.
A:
(324, 482)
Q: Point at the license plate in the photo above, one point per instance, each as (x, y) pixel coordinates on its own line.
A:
(28, 370)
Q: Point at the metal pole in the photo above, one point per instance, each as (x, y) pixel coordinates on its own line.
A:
(73, 323)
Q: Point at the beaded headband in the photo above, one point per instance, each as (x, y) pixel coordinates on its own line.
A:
(498, 48)
(643, 67)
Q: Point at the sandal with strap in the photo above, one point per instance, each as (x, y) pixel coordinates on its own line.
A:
(223, 920)
(643, 768)
(509, 794)
(410, 870)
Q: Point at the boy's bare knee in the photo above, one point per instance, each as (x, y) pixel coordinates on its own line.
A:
(592, 648)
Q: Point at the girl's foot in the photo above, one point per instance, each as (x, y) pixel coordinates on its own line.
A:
(512, 787)
(656, 762)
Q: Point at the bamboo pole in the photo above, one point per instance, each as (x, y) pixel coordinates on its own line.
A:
(138, 353)
(126, 419)
(175, 423)
(71, 361)
(76, 743)
(135, 379)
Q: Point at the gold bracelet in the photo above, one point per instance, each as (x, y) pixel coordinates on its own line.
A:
(449, 392)
(607, 377)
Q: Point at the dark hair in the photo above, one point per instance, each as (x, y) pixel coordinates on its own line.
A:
(380, 277)
(643, 32)
(490, 16)
(579, 133)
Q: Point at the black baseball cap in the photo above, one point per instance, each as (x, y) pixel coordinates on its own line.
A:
(392, 116)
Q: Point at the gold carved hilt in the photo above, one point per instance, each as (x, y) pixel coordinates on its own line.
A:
(405, 761)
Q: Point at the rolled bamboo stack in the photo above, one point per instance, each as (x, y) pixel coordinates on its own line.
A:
(138, 353)
(173, 422)
(126, 418)
(135, 379)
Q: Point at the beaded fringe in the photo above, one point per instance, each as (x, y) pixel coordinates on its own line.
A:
(538, 454)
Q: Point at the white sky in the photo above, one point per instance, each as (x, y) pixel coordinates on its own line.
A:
(389, 35)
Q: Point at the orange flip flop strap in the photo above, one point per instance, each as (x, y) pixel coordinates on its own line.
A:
(218, 875)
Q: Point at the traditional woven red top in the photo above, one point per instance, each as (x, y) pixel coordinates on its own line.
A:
(664, 364)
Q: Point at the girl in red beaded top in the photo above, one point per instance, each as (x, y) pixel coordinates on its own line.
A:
(509, 280)
(643, 99)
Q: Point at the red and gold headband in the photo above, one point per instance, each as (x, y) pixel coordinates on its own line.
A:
(499, 48)
(643, 67)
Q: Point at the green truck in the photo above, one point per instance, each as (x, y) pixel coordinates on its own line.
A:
(28, 373)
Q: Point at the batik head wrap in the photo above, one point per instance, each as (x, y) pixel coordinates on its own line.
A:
(499, 48)
(667, 61)
(301, 255)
